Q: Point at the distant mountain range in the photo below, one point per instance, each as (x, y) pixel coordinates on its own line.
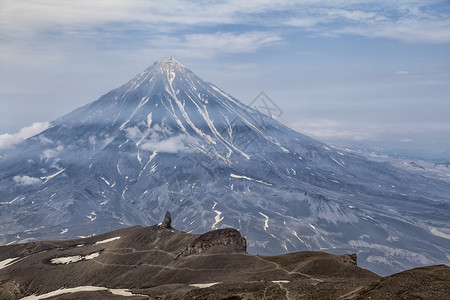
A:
(167, 140)
(160, 262)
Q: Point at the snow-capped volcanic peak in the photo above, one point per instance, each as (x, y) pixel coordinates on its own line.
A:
(167, 140)
(170, 65)
(165, 70)
(170, 98)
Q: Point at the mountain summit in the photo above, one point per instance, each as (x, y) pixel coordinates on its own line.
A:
(167, 140)
(169, 64)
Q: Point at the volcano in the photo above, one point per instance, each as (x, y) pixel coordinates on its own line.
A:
(167, 140)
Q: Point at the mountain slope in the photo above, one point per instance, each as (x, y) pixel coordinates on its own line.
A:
(167, 140)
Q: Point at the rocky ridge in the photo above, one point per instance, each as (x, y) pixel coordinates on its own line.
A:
(230, 238)
(145, 263)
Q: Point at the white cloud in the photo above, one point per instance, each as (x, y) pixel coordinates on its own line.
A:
(174, 144)
(332, 130)
(201, 45)
(406, 140)
(409, 20)
(405, 21)
(10, 140)
(134, 133)
(352, 15)
(338, 134)
(31, 16)
(45, 140)
(160, 139)
(306, 22)
(26, 180)
(34, 129)
(230, 42)
(401, 72)
(50, 153)
(411, 30)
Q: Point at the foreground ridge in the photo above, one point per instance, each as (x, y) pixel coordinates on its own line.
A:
(160, 261)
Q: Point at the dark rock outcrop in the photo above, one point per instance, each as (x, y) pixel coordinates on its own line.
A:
(167, 223)
(354, 258)
(229, 237)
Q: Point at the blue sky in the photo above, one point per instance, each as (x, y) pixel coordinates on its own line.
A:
(351, 72)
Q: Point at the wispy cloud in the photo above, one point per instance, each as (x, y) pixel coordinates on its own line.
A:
(174, 144)
(51, 153)
(330, 134)
(26, 180)
(209, 44)
(10, 140)
(353, 15)
(230, 42)
(160, 139)
(410, 20)
(413, 30)
(332, 130)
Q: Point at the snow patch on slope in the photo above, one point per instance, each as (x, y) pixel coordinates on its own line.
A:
(107, 240)
(121, 292)
(217, 218)
(248, 178)
(73, 259)
(204, 285)
(47, 178)
(266, 222)
(8, 262)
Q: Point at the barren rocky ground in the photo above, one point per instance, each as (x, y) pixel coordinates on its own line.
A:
(160, 262)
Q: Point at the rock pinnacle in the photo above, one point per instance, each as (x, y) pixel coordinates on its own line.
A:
(167, 223)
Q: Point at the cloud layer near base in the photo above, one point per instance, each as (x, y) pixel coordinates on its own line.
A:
(10, 140)
(160, 139)
(26, 180)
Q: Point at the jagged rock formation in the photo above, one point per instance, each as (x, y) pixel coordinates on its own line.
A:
(230, 238)
(156, 263)
(167, 223)
(353, 258)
